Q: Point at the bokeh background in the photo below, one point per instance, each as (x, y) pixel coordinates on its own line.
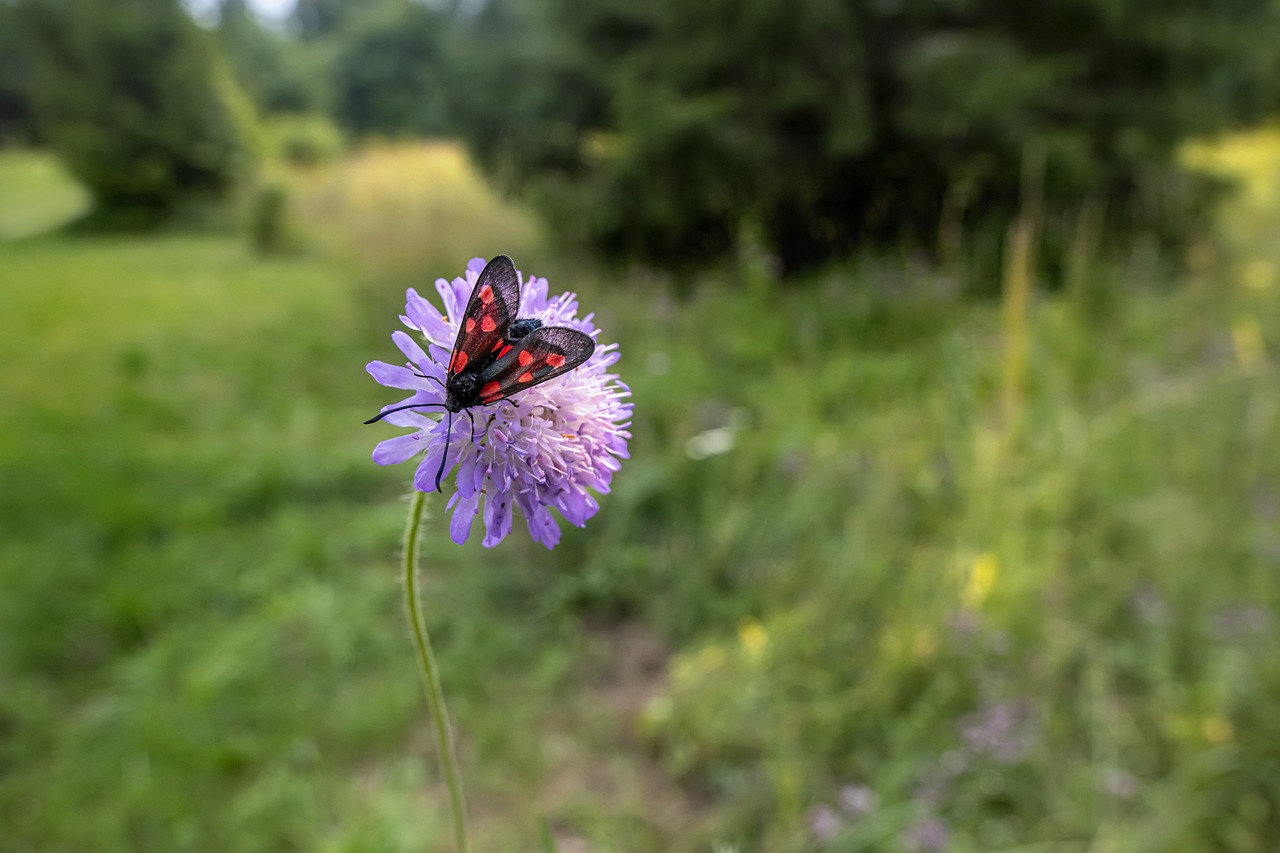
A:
(953, 517)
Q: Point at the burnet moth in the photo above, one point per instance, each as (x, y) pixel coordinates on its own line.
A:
(497, 355)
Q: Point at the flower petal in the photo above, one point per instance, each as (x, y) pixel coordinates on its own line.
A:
(543, 528)
(423, 316)
(464, 514)
(533, 298)
(439, 355)
(424, 479)
(409, 347)
(466, 479)
(410, 418)
(577, 506)
(393, 451)
(393, 375)
(497, 518)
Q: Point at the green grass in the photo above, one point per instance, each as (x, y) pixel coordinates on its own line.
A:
(202, 645)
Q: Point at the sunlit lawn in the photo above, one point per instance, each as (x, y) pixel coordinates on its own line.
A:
(834, 560)
(36, 194)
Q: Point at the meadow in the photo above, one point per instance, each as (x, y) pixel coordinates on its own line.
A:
(891, 567)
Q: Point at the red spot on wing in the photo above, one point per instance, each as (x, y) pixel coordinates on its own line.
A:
(491, 389)
(459, 362)
(526, 358)
(487, 324)
(525, 377)
(486, 294)
(471, 324)
(555, 359)
(506, 348)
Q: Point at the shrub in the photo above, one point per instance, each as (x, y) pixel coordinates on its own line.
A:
(304, 140)
(662, 131)
(133, 100)
(269, 217)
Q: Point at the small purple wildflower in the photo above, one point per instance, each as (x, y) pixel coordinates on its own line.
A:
(937, 783)
(824, 823)
(858, 800)
(1119, 783)
(542, 451)
(931, 835)
(1005, 731)
(1242, 621)
(1150, 605)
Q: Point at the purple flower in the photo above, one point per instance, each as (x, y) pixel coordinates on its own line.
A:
(1119, 783)
(1006, 731)
(540, 451)
(937, 782)
(858, 800)
(824, 823)
(1241, 621)
(930, 835)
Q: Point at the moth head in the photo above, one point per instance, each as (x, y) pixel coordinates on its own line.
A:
(460, 391)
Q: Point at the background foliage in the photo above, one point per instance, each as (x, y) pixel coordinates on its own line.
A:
(659, 132)
(675, 134)
(135, 103)
(17, 124)
(895, 566)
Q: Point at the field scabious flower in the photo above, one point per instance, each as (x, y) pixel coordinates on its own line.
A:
(546, 449)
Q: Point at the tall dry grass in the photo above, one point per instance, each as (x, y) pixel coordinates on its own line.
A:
(403, 213)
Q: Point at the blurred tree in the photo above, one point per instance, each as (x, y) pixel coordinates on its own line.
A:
(523, 101)
(663, 131)
(17, 121)
(303, 140)
(131, 96)
(268, 66)
(312, 19)
(391, 73)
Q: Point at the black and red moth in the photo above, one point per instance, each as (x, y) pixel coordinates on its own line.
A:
(497, 355)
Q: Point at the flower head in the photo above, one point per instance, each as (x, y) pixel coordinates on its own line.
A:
(1007, 732)
(543, 449)
(930, 835)
(858, 800)
(824, 823)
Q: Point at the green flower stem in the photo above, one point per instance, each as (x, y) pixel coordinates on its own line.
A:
(431, 674)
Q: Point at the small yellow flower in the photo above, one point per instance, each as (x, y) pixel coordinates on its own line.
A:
(924, 645)
(691, 669)
(753, 638)
(1218, 729)
(657, 714)
(709, 658)
(986, 566)
(1251, 352)
(1259, 275)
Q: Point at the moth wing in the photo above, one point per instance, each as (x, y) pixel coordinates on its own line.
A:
(541, 355)
(493, 305)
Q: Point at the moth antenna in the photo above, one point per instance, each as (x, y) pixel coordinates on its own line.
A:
(444, 457)
(381, 415)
